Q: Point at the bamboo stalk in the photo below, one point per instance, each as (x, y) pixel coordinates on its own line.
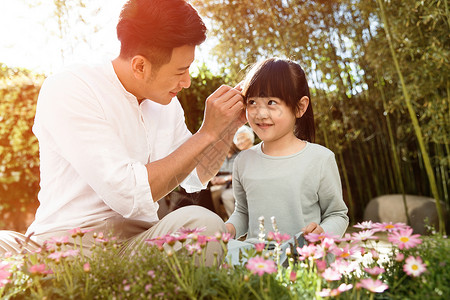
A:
(347, 185)
(398, 173)
(374, 163)
(415, 122)
(359, 184)
(364, 171)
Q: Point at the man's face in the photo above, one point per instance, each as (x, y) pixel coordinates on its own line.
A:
(171, 78)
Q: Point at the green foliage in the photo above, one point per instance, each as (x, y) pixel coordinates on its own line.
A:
(19, 154)
(61, 271)
(203, 84)
(433, 284)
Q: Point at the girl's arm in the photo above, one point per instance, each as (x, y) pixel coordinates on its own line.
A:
(334, 219)
(237, 224)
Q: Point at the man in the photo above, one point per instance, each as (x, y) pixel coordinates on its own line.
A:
(113, 140)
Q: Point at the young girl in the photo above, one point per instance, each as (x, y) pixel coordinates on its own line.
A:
(286, 175)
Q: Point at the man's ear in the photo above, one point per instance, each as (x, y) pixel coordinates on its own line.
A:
(140, 66)
(302, 106)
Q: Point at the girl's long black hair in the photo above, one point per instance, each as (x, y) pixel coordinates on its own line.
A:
(284, 79)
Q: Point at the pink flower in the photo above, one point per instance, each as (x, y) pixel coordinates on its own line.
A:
(194, 231)
(59, 240)
(4, 273)
(78, 231)
(344, 266)
(211, 239)
(317, 237)
(364, 235)
(56, 256)
(87, 267)
(151, 273)
(324, 293)
(364, 225)
(345, 252)
(4, 266)
(400, 257)
(321, 265)
(170, 239)
(49, 247)
(388, 226)
(202, 240)
(293, 276)
(39, 269)
(331, 275)
(414, 266)
(328, 243)
(404, 238)
(102, 240)
(260, 247)
(310, 251)
(226, 236)
(193, 248)
(258, 265)
(334, 292)
(278, 237)
(70, 253)
(74, 232)
(344, 287)
(346, 238)
(182, 237)
(375, 254)
(375, 286)
(158, 241)
(37, 251)
(375, 271)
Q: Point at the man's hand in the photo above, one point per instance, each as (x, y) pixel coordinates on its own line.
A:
(312, 228)
(223, 110)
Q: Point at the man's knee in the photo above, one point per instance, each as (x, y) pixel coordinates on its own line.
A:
(203, 217)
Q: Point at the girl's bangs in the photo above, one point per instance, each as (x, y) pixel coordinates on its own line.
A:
(271, 80)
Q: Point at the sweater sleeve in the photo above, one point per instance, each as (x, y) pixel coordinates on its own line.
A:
(334, 219)
(239, 218)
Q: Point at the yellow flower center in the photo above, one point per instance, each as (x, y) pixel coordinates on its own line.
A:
(389, 226)
(404, 239)
(414, 267)
(345, 254)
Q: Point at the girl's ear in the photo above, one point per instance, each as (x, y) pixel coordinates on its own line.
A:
(302, 106)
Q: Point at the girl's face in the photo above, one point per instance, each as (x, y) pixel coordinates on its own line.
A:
(270, 118)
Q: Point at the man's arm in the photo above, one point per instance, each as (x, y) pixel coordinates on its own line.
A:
(223, 111)
(213, 158)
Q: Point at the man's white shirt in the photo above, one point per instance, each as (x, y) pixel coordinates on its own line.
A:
(95, 140)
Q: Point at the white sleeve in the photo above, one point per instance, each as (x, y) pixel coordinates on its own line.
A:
(171, 133)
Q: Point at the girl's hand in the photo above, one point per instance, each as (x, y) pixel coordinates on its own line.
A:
(231, 230)
(312, 228)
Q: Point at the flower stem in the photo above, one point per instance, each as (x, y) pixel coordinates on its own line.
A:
(398, 282)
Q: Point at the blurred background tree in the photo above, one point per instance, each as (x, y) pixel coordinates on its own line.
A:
(19, 153)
